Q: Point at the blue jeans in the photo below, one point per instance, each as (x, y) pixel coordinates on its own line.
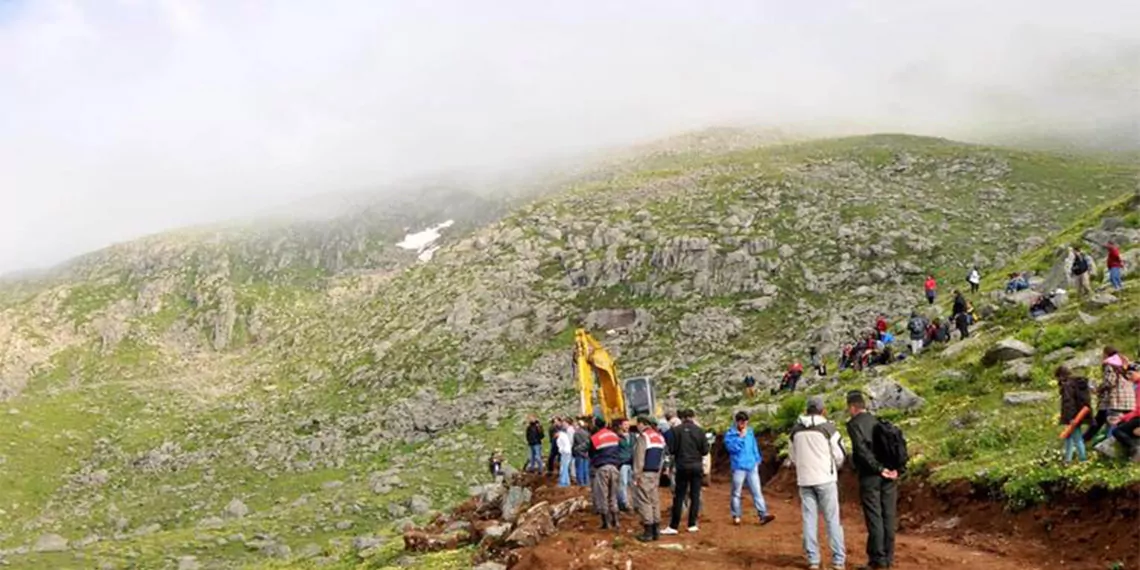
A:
(739, 477)
(582, 470)
(626, 477)
(564, 470)
(813, 501)
(1075, 441)
(1114, 278)
(535, 461)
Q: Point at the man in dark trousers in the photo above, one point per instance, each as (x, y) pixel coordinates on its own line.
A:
(688, 447)
(878, 485)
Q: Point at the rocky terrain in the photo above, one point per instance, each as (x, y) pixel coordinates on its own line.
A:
(223, 396)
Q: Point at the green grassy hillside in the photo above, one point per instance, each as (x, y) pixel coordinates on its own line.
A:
(260, 396)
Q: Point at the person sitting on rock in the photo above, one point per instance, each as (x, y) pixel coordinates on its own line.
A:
(881, 326)
(1017, 282)
(846, 357)
(1042, 305)
(749, 386)
(495, 464)
(1126, 428)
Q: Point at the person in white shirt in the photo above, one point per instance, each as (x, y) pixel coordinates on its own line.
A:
(565, 442)
(817, 453)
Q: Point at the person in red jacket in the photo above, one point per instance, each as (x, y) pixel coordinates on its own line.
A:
(881, 326)
(1115, 266)
(931, 287)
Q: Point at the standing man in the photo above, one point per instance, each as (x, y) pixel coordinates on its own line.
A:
(745, 455)
(917, 328)
(974, 279)
(1115, 265)
(564, 442)
(582, 454)
(555, 427)
(625, 449)
(1082, 272)
(878, 485)
(534, 437)
(605, 457)
(816, 453)
(648, 459)
(688, 448)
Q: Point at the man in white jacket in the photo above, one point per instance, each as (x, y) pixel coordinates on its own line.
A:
(564, 443)
(816, 452)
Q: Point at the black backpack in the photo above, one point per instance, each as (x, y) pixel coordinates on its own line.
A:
(1080, 265)
(889, 445)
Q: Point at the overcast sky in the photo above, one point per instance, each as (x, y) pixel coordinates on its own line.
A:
(126, 117)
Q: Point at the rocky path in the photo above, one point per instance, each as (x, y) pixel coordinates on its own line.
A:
(720, 545)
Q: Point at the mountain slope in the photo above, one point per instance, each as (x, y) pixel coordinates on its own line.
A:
(327, 383)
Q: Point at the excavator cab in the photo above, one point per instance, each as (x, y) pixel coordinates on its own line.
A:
(641, 398)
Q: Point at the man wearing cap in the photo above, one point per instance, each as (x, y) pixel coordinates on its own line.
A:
(740, 442)
(648, 459)
(816, 452)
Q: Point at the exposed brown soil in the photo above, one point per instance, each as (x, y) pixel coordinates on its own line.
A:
(955, 526)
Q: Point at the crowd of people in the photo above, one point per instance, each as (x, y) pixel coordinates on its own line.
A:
(675, 453)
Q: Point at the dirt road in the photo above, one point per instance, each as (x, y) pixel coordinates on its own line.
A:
(579, 544)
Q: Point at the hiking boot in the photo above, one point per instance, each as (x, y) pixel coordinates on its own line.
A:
(646, 536)
(767, 519)
(614, 521)
(605, 522)
(656, 531)
(669, 531)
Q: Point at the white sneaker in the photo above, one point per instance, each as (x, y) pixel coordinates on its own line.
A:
(693, 529)
(668, 531)
(736, 521)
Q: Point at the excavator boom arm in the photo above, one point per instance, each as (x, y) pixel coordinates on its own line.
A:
(592, 361)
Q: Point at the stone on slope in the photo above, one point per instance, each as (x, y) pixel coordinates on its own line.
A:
(1006, 350)
(1022, 398)
(1103, 300)
(188, 563)
(490, 566)
(419, 504)
(50, 543)
(1017, 371)
(888, 394)
(1087, 318)
(516, 499)
(535, 524)
(236, 509)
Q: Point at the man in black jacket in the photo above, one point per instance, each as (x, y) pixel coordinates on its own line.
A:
(553, 431)
(534, 438)
(878, 485)
(688, 447)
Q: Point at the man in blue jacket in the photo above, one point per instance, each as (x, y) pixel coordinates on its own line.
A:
(740, 442)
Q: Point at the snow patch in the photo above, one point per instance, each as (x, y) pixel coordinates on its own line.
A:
(424, 241)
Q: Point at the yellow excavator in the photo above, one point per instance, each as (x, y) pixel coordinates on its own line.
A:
(593, 366)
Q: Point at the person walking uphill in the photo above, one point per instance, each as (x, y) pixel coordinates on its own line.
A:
(534, 438)
(1074, 396)
(1115, 265)
(648, 459)
(688, 448)
(931, 287)
(1082, 270)
(605, 458)
(740, 443)
(974, 279)
(878, 484)
(816, 452)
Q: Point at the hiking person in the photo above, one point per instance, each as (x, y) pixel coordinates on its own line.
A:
(974, 279)
(845, 357)
(745, 456)
(1081, 271)
(534, 438)
(817, 362)
(931, 288)
(917, 328)
(878, 484)
(1115, 265)
(605, 458)
(625, 449)
(816, 453)
(791, 378)
(1126, 428)
(648, 460)
(581, 435)
(1074, 396)
(564, 442)
(555, 427)
(1042, 305)
(749, 386)
(689, 446)
(1118, 396)
(1017, 282)
(881, 326)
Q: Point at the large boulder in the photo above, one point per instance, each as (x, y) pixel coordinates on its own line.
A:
(535, 524)
(516, 499)
(888, 394)
(612, 319)
(1023, 398)
(1006, 350)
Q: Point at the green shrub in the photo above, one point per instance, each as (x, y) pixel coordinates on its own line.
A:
(789, 411)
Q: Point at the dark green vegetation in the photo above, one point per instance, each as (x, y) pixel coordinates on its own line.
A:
(333, 386)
